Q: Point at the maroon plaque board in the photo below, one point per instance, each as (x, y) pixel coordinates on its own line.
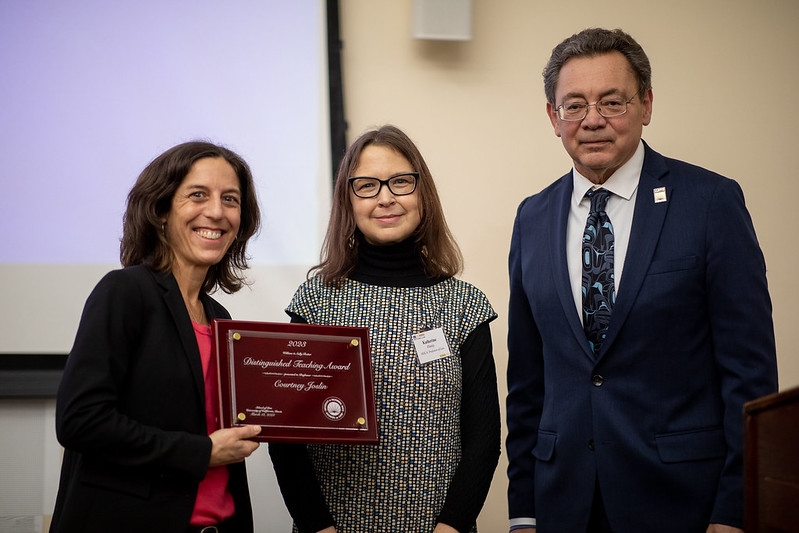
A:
(299, 382)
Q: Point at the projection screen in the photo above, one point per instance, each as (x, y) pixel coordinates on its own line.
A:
(93, 90)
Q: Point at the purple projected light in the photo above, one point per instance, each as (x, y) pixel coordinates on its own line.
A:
(91, 91)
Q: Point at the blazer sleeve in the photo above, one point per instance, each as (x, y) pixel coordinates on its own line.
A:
(116, 402)
(740, 313)
(525, 399)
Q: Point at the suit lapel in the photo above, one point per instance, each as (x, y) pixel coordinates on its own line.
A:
(180, 316)
(559, 218)
(648, 219)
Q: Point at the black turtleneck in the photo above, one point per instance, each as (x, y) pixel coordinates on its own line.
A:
(391, 265)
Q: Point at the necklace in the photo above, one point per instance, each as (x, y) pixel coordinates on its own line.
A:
(199, 319)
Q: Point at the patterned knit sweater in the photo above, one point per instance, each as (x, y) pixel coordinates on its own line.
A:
(438, 422)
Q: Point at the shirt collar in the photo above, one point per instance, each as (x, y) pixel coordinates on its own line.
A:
(622, 183)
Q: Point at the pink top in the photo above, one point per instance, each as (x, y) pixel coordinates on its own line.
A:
(214, 502)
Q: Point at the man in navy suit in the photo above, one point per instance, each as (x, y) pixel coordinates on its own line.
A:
(645, 433)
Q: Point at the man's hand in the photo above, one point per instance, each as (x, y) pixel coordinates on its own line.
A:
(232, 445)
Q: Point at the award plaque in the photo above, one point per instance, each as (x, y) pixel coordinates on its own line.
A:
(299, 382)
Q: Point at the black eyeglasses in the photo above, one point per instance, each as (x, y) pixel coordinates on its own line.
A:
(399, 185)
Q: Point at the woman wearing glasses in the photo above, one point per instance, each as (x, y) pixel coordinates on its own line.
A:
(388, 263)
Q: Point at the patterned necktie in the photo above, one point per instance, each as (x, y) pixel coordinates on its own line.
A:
(599, 291)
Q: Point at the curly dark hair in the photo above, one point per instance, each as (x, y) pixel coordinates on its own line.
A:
(143, 241)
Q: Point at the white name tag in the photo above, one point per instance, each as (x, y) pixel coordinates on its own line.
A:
(431, 345)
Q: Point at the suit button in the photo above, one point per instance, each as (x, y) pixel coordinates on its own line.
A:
(591, 444)
(597, 380)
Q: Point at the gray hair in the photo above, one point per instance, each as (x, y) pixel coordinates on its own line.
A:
(593, 42)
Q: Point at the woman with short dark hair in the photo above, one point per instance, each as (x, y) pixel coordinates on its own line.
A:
(136, 410)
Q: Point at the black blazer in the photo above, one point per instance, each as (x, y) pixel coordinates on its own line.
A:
(131, 412)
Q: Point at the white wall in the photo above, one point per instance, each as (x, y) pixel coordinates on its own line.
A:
(476, 110)
(29, 462)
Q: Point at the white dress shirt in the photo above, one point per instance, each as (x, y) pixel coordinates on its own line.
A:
(624, 185)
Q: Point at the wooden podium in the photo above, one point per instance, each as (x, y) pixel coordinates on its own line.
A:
(771, 463)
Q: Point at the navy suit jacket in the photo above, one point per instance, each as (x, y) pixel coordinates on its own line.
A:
(656, 417)
(131, 412)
